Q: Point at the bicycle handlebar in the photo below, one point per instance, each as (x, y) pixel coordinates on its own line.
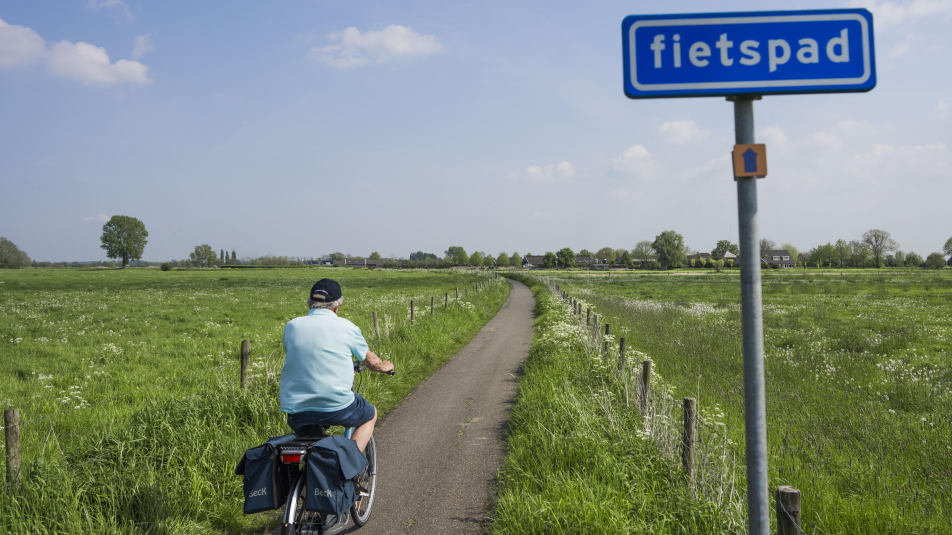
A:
(359, 368)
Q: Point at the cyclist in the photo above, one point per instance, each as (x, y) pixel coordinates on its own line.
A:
(318, 372)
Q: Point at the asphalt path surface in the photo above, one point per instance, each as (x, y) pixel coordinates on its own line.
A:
(440, 448)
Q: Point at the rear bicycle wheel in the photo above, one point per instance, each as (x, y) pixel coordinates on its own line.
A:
(361, 509)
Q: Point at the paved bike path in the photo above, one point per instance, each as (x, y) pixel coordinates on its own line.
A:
(439, 449)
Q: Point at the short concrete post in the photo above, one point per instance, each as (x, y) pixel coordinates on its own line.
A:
(689, 439)
(11, 424)
(789, 518)
(411, 311)
(376, 326)
(245, 354)
(457, 293)
(645, 384)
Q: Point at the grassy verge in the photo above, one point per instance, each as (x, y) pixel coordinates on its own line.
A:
(578, 460)
(166, 466)
(857, 372)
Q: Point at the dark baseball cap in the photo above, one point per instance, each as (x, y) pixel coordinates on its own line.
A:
(325, 290)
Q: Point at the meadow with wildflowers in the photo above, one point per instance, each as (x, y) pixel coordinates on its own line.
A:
(131, 415)
(581, 456)
(858, 375)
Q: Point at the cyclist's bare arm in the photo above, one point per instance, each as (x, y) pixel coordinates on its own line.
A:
(373, 362)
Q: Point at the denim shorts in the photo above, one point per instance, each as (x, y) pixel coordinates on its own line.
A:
(354, 415)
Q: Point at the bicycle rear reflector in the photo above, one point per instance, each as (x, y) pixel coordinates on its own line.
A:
(291, 458)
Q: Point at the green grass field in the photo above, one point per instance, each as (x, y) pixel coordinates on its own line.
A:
(858, 378)
(577, 460)
(161, 459)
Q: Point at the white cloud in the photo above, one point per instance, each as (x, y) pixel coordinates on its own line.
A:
(888, 14)
(681, 132)
(635, 160)
(539, 215)
(19, 44)
(773, 135)
(355, 48)
(901, 49)
(142, 45)
(81, 61)
(825, 140)
(942, 109)
(118, 7)
(101, 217)
(550, 174)
(90, 64)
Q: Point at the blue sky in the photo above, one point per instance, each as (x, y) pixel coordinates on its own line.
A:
(308, 127)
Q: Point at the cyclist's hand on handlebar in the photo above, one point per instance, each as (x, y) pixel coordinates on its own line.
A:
(386, 367)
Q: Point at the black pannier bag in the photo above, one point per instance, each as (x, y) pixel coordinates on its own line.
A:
(265, 478)
(332, 465)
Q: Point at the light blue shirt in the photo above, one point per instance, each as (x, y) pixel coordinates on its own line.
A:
(318, 371)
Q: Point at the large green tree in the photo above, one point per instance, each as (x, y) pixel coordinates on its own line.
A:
(669, 246)
(565, 258)
(914, 260)
(124, 237)
(203, 255)
(457, 255)
(11, 257)
(515, 259)
(947, 248)
(935, 260)
(374, 256)
(724, 246)
(624, 258)
(843, 251)
(549, 261)
(502, 260)
(879, 241)
(605, 254)
(476, 258)
(643, 251)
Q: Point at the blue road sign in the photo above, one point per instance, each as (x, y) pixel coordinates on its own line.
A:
(722, 54)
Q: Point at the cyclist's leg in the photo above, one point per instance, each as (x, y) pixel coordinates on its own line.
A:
(363, 432)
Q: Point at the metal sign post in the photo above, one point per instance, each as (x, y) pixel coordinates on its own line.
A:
(752, 321)
(743, 56)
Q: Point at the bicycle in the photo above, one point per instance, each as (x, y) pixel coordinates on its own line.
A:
(297, 520)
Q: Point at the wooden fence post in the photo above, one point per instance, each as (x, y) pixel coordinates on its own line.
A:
(689, 438)
(645, 384)
(411, 311)
(432, 306)
(595, 330)
(621, 354)
(446, 300)
(11, 423)
(245, 353)
(376, 326)
(789, 519)
(457, 293)
(588, 317)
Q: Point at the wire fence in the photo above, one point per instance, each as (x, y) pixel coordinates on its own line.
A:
(712, 469)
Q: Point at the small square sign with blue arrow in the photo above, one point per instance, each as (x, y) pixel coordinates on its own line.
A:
(750, 160)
